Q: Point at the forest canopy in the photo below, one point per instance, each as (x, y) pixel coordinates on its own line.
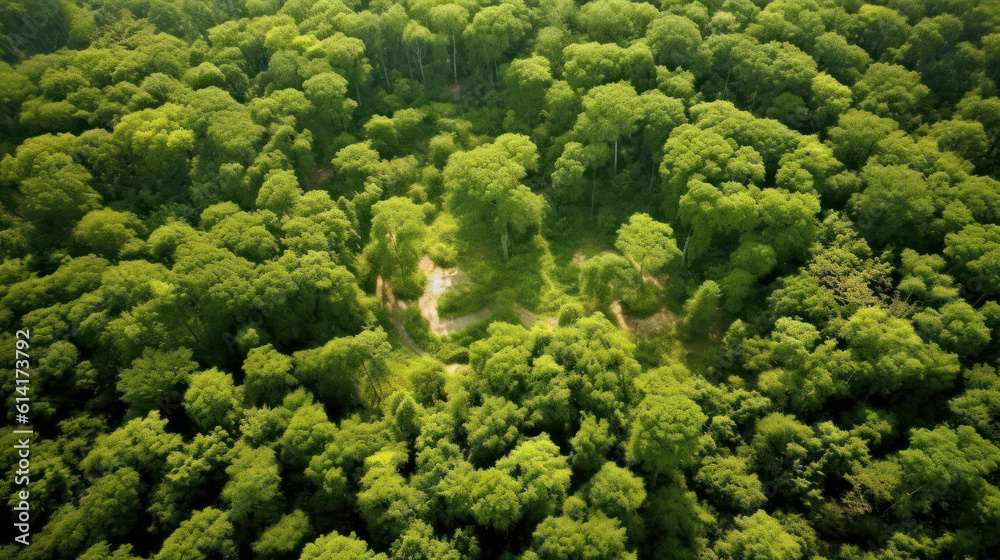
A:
(501, 279)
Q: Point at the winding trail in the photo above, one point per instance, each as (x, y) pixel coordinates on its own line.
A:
(440, 280)
(384, 292)
(529, 319)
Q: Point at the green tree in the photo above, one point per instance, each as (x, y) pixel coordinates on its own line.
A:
(978, 406)
(954, 461)
(527, 80)
(543, 474)
(617, 492)
(591, 443)
(284, 536)
(700, 310)
(109, 233)
(975, 254)
(610, 113)
(588, 65)
(495, 499)
(858, 136)
(568, 176)
(608, 277)
(268, 376)
(334, 546)
(484, 184)
(890, 91)
(760, 536)
(212, 400)
(451, 20)
(156, 379)
(54, 187)
(108, 508)
(419, 543)
(675, 41)
(494, 29)
(644, 240)
(279, 193)
(388, 504)
(842, 60)
(956, 327)
(142, 444)
(597, 538)
(397, 234)
(666, 433)
(730, 481)
(253, 491)
(873, 337)
(493, 429)
(208, 533)
(420, 40)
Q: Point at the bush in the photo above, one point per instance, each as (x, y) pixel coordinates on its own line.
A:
(443, 255)
(474, 332)
(452, 353)
(427, 376)
(570, 313)
(644, 302)
(460, 301)
(411, 287)
(419, 329)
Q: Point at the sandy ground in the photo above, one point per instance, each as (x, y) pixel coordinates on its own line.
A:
(616, 308)
(652, 324)
(646, 325)
(384, 292)
(529, 319)
(438, 281)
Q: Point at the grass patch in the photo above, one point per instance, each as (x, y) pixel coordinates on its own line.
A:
(411, 287)
(420, 330)
(461, 300)
(646, 302)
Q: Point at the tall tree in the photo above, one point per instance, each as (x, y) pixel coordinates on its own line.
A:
(484, 184)
(644, 240)
(610, 113)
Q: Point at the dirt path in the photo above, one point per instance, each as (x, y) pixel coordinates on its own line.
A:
(529, 319)
(645, 325)
(397, 321)
(438, 281)
(652, 324)
(616, 308)
(384, 292)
